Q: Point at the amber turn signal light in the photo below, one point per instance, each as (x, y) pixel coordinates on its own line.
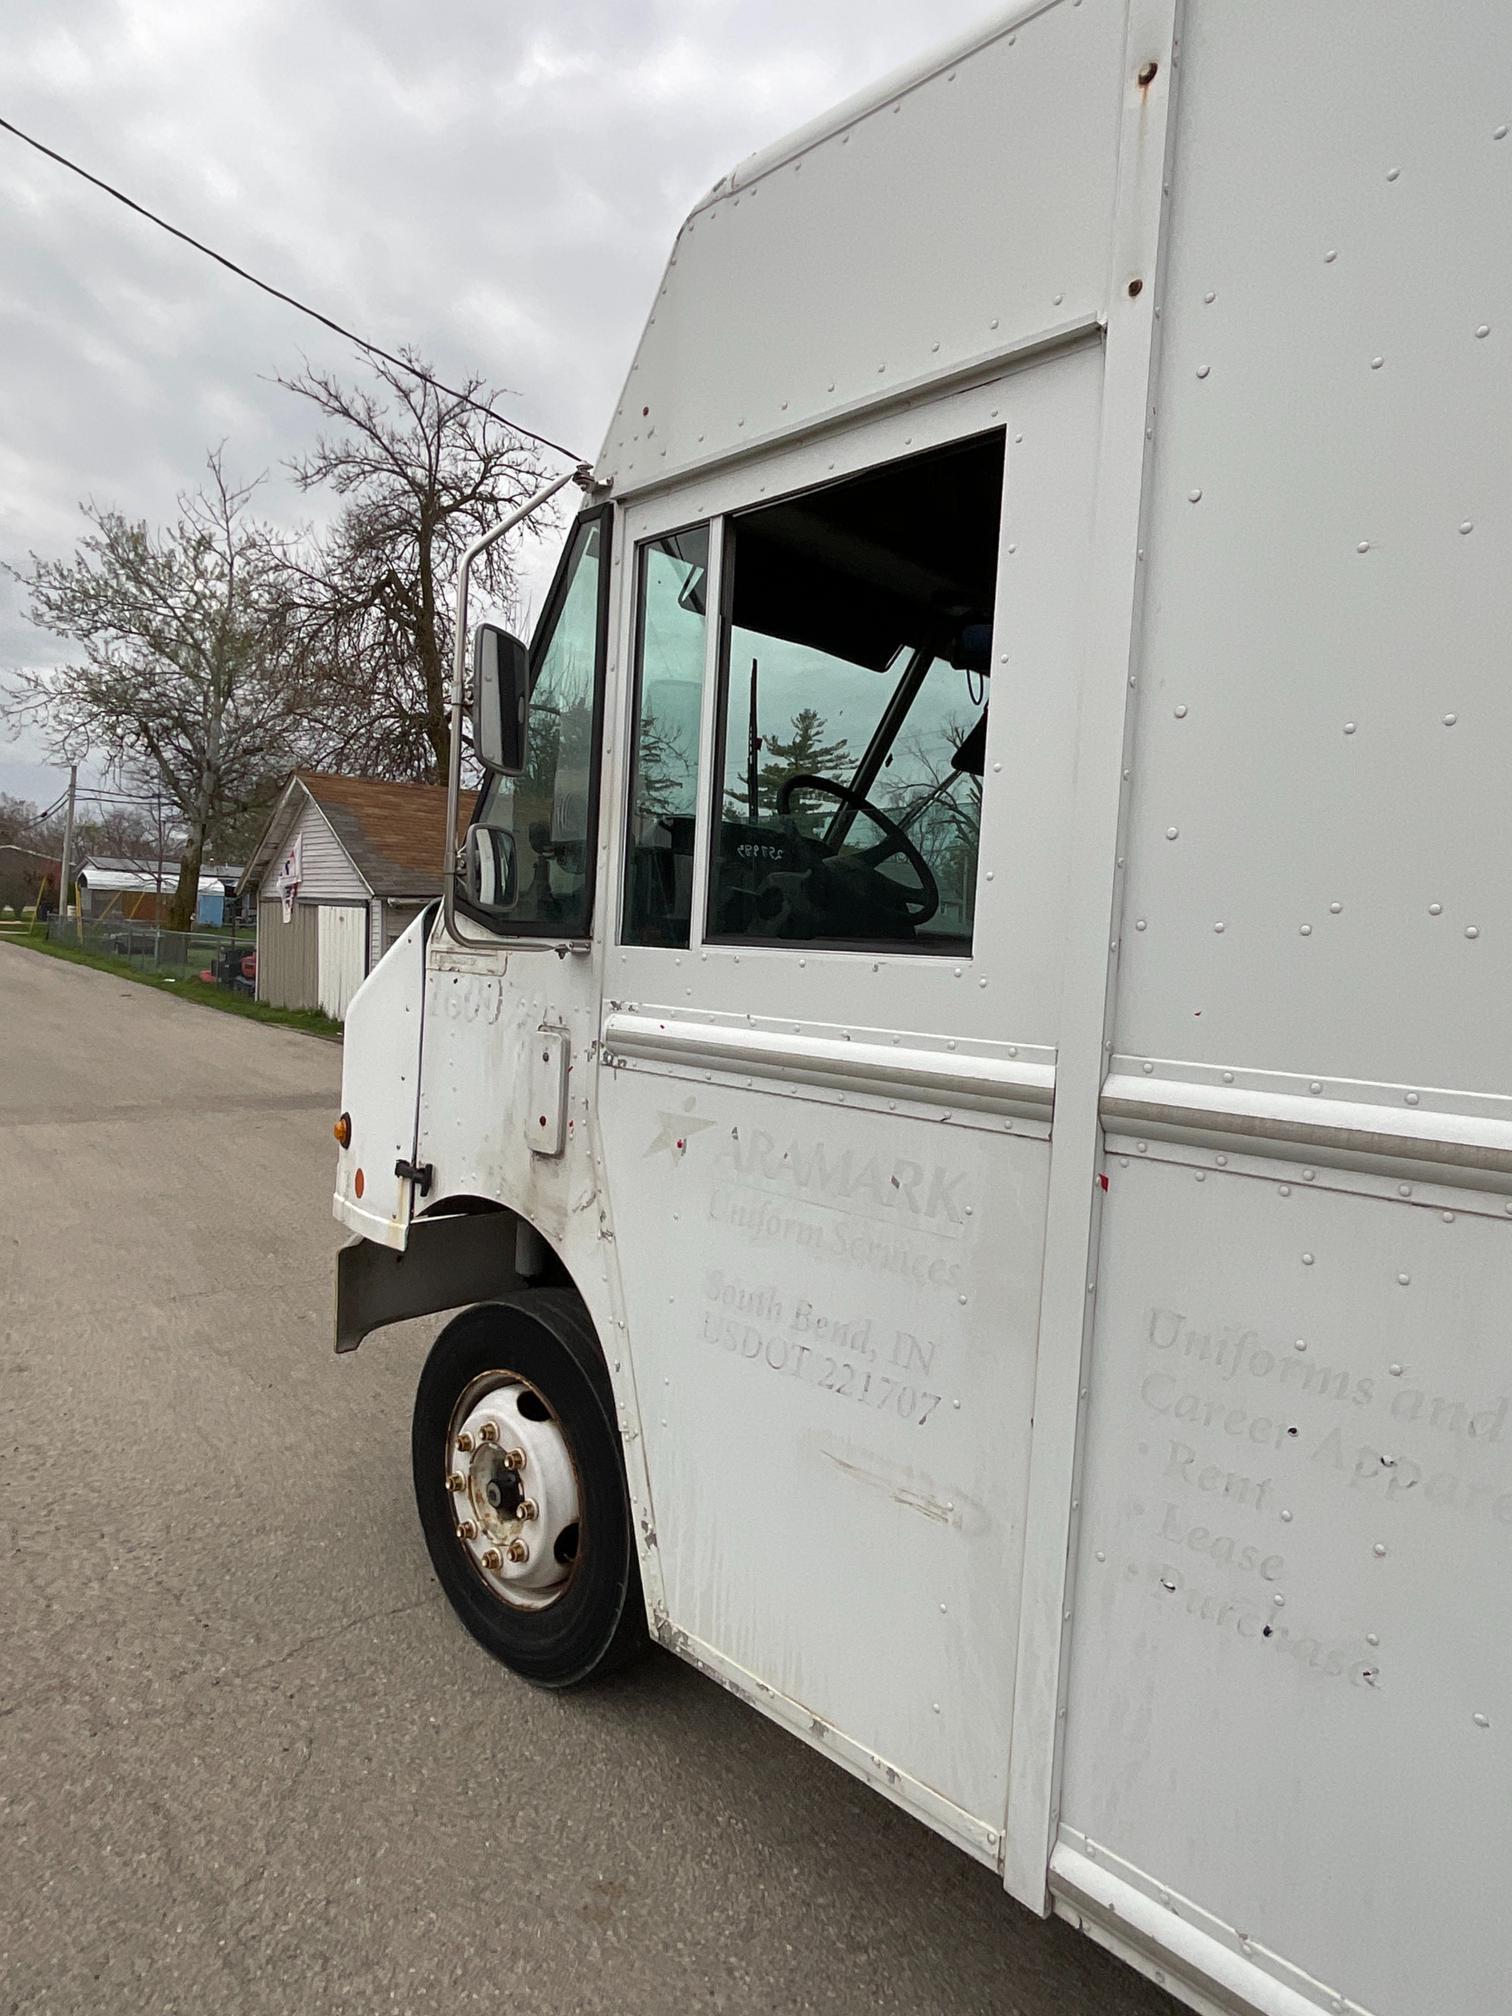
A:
(343, 1130)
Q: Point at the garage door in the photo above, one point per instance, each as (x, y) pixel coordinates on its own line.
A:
(343, 955)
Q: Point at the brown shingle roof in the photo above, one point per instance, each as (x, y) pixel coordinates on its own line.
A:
(392, 831)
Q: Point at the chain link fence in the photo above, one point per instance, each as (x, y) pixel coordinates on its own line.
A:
(227, 955)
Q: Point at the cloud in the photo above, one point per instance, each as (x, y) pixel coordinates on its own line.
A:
(497, 186)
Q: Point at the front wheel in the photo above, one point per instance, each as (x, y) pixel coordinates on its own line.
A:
(521, 1489)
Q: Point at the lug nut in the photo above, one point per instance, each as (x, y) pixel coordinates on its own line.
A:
(492, 1559)
(467, 1530)
(526, 1509)
(517, 1551)
(456, 1482)
(515, 1458)
(465, 1443)
(489, 1432)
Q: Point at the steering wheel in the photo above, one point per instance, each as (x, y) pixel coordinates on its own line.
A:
(918, 905)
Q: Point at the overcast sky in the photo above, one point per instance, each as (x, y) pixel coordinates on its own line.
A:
(498, 185)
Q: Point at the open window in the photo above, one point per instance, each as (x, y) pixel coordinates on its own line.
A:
(551, 811)
(854, 683)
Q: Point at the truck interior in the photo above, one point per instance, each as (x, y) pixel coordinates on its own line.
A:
(855, 655)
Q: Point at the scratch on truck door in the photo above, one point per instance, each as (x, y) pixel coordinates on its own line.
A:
(902, 1491)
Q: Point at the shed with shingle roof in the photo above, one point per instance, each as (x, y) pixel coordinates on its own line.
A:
(344, 865)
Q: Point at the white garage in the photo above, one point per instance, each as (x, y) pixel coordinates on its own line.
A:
(343, 866)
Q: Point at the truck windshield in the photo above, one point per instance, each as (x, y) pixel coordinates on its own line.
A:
(550, 809)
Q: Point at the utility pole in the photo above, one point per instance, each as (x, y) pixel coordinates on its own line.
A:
(68, 835)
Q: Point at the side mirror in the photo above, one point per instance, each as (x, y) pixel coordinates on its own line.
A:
(501, 700)
(490, 874)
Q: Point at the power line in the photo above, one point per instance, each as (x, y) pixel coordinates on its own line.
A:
(290, 300)
(40, 816)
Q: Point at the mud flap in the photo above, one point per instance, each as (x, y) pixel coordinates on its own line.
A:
(447, 1263)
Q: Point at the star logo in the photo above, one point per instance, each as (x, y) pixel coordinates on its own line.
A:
(675, 1132)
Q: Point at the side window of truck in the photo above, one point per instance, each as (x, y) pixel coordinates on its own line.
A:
(551, 809)
(671, 579)
(854, 683)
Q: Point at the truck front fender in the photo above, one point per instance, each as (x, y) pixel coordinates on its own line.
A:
(447, 1263)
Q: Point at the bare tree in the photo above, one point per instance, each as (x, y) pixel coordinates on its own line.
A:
(420, 474)
(121, 833)
(183, 681)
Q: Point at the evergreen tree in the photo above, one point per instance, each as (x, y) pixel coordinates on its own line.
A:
(804, 753)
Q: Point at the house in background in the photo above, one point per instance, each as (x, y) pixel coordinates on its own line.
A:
(344, 865)
(141, 891)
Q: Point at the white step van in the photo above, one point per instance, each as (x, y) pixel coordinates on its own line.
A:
(962, 1086)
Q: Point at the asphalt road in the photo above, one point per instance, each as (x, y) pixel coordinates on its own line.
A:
(247, 1760)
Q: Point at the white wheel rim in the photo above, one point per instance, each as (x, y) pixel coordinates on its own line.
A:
(513, 1488)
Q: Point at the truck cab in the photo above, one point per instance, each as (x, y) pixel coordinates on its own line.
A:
(956, 1088)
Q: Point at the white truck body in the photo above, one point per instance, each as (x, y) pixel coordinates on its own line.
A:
(1068, 1382)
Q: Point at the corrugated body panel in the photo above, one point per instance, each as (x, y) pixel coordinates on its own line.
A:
(342, 940)
(1319, 881)
(288, 964)
(959, 221)
(1289, 1705)
(1290, 1700)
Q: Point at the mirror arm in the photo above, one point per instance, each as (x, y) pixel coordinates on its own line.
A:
(479, 546)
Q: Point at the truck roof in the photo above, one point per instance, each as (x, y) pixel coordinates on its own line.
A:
(950, 217)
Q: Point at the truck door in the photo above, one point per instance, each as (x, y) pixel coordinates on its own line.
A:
(511, 1003)
(829, 1057)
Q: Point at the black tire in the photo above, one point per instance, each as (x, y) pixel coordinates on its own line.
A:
(598, 1622)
